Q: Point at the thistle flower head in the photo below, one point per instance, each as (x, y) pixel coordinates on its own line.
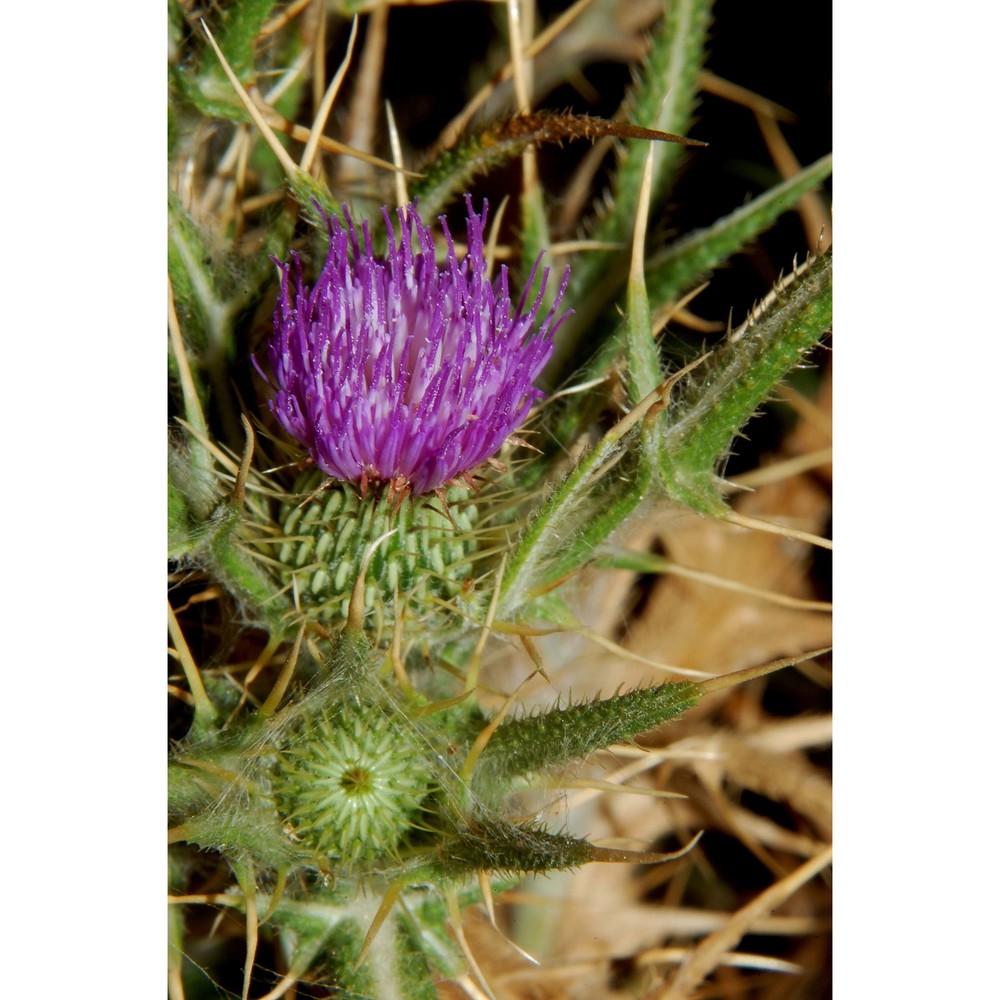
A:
(397, 371)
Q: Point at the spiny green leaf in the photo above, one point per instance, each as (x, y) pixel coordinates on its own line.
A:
(581, 528)
(230, 562)
(690, 259)
(489, 843)
(664, 97)
(235, 27)
(561, 517)
(738, 378)
(192, 264)
(642, 372)
(677, 269)
(449, 174)
(530, 744)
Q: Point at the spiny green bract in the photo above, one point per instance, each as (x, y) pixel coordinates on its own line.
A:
(421, 552)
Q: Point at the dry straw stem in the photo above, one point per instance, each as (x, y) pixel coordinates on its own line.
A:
(521, 25)
(454, 129)
(192, 404)
(248, 884)
(671, 310)
(812, 414)
(363, 112)
(326, 105)
(265, 117)
(203, 704)
(755, 524)
(315, 29)
(690, 622)
(812, 211)
(735, 959)
(288, 15)
(590, 969)
(779, 775)
(786, 469)
(765, 595)
(729, 91)
(628, 654)
(260, 663)
(660, 564)
(302, 134)
(287, 163)
(702, 960)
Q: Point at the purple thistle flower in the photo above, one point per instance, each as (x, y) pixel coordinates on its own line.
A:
(390, 370)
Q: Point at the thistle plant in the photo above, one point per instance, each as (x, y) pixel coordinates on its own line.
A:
(425, 423)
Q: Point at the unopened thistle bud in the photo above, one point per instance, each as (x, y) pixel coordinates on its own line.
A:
(349, 783)
(400, 378)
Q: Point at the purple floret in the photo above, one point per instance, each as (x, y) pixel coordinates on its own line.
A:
(390, 370)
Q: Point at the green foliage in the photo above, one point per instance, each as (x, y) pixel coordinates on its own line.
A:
(560, 735)
(775, 338)
(492, 844)
(679, 267)
(236, 26)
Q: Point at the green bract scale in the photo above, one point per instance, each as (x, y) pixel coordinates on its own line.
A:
(426, 558)
(349, 782)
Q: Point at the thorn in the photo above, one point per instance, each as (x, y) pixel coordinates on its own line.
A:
(287, 163)
(615, 856)
(479, 745)
(473, 677)
(356, 607)
(729, 680)
(399, 490)
(470, 481)
(455, 918)
(325, 485)
(521, 443)
(443, 497)
(402, 198)
(285, 677)
(532, 650)
(388, 901)
(239, 489)
(396, 646)
(487, 890)
(319, 123)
